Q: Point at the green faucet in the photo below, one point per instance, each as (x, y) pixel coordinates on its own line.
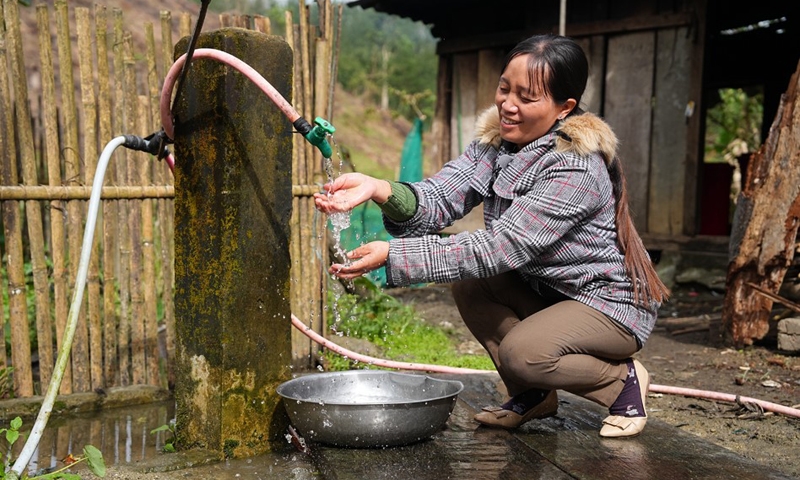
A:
(318, 136)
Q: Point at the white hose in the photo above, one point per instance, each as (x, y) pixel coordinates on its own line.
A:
(72, 318)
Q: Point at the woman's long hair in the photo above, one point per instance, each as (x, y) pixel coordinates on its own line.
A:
(558, 66)
(647, 286)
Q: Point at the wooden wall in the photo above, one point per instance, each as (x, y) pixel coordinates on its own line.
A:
(640, 82)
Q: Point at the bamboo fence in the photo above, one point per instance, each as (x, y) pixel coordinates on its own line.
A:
(48, 158)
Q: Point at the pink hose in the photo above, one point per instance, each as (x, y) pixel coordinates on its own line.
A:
(376, 361)
(725, 397)
(167, 121)
(687, 392)
(291, 113)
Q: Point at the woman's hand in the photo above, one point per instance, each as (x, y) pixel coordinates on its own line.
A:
(366, 258)
(349, 191)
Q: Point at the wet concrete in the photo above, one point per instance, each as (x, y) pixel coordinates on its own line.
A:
(562, 447)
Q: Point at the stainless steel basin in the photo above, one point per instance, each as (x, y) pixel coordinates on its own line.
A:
(368, 408)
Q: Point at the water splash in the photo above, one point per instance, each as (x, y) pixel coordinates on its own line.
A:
(339, 222)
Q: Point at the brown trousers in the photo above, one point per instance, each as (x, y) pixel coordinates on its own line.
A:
(545, 341)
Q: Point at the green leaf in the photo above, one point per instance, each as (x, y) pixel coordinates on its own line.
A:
(12, 436)
(169, 448)
(95, 459)
(159, 429)
(16, 423)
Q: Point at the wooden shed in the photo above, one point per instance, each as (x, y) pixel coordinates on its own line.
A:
(655, 67)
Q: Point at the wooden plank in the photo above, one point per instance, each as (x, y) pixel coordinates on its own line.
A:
(440, 130)
(695, 128)
(595, 50)
(490, 63)
(506, 39)
(462, 117)
(629, 92)
(667, 172)
(474, 83)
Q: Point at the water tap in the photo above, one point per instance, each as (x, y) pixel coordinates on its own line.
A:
(317, 135)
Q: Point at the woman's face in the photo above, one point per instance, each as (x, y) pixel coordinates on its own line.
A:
(525, 112)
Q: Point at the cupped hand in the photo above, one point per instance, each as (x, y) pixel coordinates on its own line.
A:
(349, 191)
(365, 259)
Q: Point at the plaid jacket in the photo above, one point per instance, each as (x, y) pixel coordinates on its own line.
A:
(549, 215)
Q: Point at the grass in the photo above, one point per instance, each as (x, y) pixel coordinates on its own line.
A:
(395, 329)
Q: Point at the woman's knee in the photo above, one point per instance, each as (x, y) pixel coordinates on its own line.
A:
(523, 362)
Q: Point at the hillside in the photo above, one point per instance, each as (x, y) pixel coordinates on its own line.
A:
(372, 139)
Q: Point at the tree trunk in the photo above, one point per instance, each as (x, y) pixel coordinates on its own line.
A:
(765, 226)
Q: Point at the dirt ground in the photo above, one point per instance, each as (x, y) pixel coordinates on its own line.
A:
(684, 356)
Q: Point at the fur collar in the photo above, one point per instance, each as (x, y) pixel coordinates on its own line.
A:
(580, 134)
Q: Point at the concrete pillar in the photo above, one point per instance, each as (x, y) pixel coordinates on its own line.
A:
(233, 201)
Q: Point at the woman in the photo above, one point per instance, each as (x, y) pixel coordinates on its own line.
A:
(559, 288)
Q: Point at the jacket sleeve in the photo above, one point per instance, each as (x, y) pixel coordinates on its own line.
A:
(548, 211)
(445, 197)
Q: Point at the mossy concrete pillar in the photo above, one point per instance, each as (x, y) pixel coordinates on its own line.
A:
(233, 201)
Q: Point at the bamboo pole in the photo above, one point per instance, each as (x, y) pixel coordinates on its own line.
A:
(80, 350)
(123, 273)
(5, 103)
(305, 94)
(84, 192)
(225, 20)
(337, 43)
(148, 321)
(134, 223)
(151, 118)
(262, 24)
(185, 25)
(12, 225)
(20, 337)
(109, 212)
(57, 207)
(165, 214)
(295, 268)
(322, 104)
(86, 68)
(307, 280)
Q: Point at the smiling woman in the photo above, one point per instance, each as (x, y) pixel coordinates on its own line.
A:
(560, 256)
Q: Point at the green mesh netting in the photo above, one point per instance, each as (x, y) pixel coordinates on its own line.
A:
(366, 221)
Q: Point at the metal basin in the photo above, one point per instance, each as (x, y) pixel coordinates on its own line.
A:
(368, 408)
